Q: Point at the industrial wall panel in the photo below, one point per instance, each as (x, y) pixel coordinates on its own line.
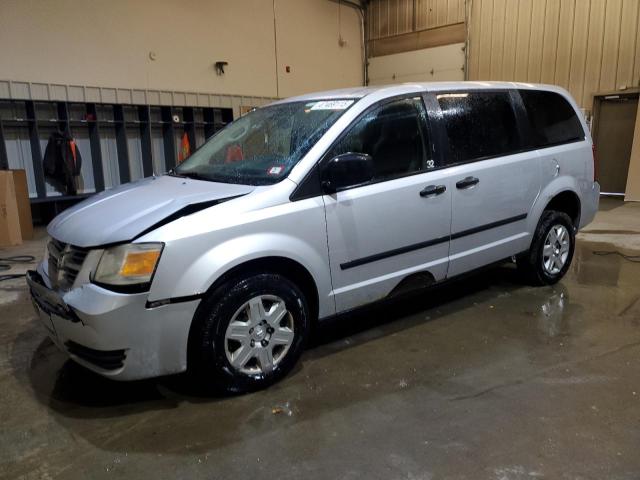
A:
(39, 91)
(485, 40)
(203, 100)
(111, 44)
(166, 98)
(595, 36)
(388, 18)
(586, 46)
(497, 38)
(579, 49)
(5, 89)
(20, 90)
(522, 40)
(550, 41)
(108, 95)
(508, 59)
(565, 42)
(153, 97)
(610, 43)
(75, 93)
(636, 65)
(475, 27)
(138, 97)
(179, 98)
(441, 12)
(191, 98)
(534, 67)
(627, 51)
(453, 9)
(93, 94)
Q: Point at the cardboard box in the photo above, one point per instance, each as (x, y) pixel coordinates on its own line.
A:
(9, 219)
(15, 209)
(24, 205)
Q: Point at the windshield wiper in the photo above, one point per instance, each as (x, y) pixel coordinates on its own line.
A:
(193, 175)
(173, 173)
(196, 176)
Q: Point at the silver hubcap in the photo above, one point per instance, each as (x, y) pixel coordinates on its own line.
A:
(556, 249)
(259, 335)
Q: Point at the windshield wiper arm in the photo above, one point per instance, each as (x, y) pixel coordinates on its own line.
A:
(173, 173)
(193, 175)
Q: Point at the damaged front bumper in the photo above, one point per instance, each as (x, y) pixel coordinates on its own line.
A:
(111, 333)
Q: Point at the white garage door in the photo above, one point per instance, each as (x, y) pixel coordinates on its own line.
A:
(428, 65)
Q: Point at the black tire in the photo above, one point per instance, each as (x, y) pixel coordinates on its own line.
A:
(208, 360)
(530, 263)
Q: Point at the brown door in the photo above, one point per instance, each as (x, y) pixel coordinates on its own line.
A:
(616, 121)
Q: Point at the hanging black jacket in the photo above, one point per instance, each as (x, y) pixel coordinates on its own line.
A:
(62, 162)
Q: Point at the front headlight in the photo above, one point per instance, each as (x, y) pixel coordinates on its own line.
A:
(128, 265)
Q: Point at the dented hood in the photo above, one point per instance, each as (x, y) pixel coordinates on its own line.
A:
(123, 213)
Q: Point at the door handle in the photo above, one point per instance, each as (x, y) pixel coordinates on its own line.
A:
(467, 182)
(433, 190)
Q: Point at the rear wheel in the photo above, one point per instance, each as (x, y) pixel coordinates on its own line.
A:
(551, 252)
(249, 332)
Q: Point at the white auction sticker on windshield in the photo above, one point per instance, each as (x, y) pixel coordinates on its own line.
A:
(275, 170)
(332, 105)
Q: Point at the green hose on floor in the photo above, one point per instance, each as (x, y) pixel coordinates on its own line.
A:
(630, 258)
(5, 264)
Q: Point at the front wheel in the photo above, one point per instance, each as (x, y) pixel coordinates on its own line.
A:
(551, 252)
(249, 333)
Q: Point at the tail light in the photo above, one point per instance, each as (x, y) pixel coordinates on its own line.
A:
(595, 162)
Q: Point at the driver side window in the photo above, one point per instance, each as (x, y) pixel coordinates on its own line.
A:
(395, 135)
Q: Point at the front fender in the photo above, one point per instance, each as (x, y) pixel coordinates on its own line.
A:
(201, 272)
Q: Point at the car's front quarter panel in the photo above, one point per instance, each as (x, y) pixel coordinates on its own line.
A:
(200, 248)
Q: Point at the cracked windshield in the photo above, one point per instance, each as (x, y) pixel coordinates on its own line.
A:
(261, 147)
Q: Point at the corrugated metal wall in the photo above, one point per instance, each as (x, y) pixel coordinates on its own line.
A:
(387, 18)
(586, 46)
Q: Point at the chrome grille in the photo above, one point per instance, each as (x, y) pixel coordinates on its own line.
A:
(65, 262)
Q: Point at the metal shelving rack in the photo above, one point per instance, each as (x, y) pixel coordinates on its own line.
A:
(27, 124)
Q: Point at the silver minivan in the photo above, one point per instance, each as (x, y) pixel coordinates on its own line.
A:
(308, 208)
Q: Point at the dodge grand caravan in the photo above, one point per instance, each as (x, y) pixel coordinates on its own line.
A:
(307, 208)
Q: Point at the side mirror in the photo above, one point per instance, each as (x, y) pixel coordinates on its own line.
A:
(346, 170)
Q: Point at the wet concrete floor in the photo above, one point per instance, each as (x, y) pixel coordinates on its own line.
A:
(481, 379)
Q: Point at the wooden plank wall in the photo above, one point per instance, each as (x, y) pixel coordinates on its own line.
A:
(388, 18)
(586, 46)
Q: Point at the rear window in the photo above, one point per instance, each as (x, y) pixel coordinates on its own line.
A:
(553, 119)
(479, 125)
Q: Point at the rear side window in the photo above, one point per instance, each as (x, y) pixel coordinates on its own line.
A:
(553, 120)
(479, 125)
